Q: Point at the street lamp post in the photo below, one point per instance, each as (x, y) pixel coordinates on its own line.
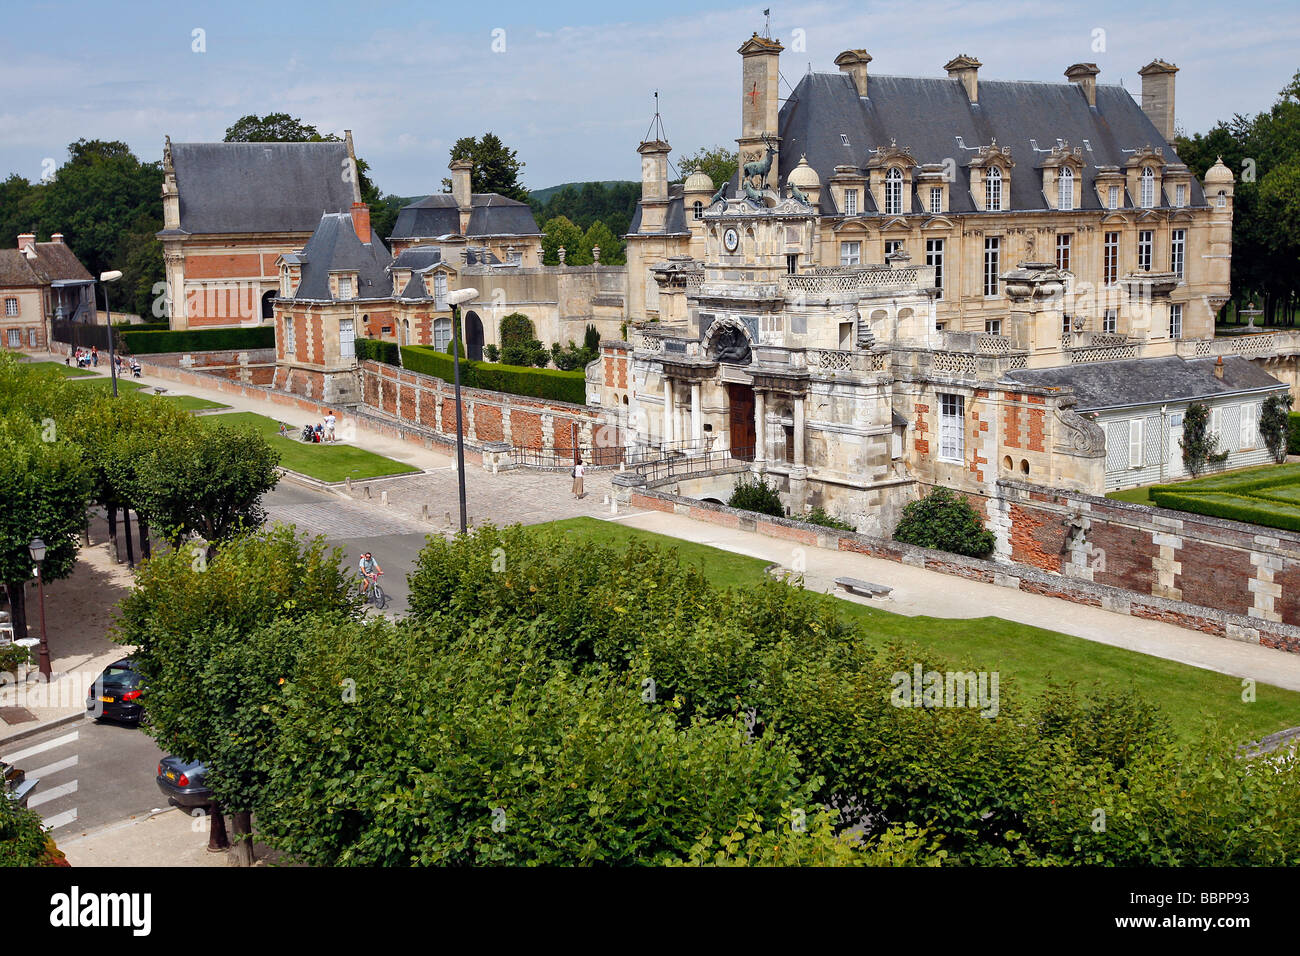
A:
(104, 279)
(454, 299)
(37, 551)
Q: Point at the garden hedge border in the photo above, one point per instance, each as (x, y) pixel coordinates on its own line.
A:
(545, 383)
(152, 342)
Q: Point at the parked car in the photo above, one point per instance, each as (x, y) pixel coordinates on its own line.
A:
(183, 783)
(115, 695)
(15, 784)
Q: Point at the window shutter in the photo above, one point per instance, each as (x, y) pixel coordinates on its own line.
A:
(1135, 443)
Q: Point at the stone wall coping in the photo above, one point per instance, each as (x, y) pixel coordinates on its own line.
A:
(373, 367)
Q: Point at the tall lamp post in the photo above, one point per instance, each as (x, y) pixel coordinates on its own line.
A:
(37, 551)
(104, 279)
(454, 299)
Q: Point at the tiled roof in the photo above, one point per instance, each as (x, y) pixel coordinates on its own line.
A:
(490, 215)
(334, 247)
(16, 269)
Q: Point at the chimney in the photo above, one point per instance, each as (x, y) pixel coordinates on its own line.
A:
(57, 237)
(361, 221)
(854, 63)
(966, 68)
(1158, 95)
(1218, 367)
(1085, 75)
(460, 188)
(27, 241)
(654, 184)
(352, 165)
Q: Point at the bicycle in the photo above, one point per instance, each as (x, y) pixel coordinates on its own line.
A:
(375, 594)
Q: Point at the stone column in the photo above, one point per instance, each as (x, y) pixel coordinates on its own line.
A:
(668, 409)
(798, 431)
(760, 429)
(697, 420)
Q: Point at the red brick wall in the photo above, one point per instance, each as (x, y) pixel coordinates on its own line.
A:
(487, 422)
(1215, 576)
(1127, 554)
(1035, 539)
(525, 429)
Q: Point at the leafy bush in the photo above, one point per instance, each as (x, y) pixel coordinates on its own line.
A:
(23, 840)
(591, 340)
(1199, 445)
(1273, 422)
(515, 329)
(819, 516)
(515, 380)
(572, 357)
(1293, 433)
(199, 340)
(377, 350)
(755, 494)
(491, 353)
(945, 521)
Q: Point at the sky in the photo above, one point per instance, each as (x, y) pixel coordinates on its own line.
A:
(569, 84)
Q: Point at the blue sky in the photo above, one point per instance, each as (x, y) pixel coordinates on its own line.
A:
(572, 88)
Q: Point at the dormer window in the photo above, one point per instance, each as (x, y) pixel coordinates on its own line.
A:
(1112, 197)
(1065, 189)
(439, 286)
(850, 202)
(844, 138)
(345, 287)
(1180, 196)
(936, 200)
(1148, 188)
(993, 190)
(894, 192)
(285, 285)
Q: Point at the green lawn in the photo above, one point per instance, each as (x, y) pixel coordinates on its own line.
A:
(71, 371)
(188, 403)
(322, 462)
(123, 384)
(1028, 656)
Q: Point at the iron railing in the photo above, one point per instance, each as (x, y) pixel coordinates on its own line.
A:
(702, 464)
(593, 456)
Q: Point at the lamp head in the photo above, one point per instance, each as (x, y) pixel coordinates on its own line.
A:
(111, 276)
(37, 550)
(460, 296)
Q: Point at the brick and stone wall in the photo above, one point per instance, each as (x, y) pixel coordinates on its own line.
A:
(1236, 622)
(488, 416)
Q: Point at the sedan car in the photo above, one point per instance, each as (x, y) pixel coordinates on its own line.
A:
(182, 783)
(115, 695)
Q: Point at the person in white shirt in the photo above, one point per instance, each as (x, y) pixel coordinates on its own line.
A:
(329, 424)
(578, 471)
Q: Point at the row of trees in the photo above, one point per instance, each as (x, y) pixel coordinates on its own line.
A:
(560, 233)
(553, 701)
(520, 346)
(1263, 152)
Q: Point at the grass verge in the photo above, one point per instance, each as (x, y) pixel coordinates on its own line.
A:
(331, 463)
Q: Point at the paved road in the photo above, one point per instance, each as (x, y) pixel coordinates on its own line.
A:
(91, 774)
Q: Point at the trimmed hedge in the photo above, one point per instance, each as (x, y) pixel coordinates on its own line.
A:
(152, 342)
(142, 326)
(1293, 433)
(377, 350)
(1232, 507)
(513, 379)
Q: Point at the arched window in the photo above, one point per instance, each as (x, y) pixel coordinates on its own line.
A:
(1148, 188)
(699, 209)
(894, 192)
(1065, 189)
(993, 189)
(1221, 201)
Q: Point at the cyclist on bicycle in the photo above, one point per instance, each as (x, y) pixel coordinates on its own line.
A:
(370, 571)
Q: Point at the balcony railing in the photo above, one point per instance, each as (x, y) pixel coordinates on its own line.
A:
(831, 281)
(711, 462)
(831, 361)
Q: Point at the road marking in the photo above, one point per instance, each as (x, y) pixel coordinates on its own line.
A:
(53, 767)
(52, 794)
(40, 748)
(60, 819)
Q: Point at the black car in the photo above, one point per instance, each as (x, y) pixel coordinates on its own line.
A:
(182, 783)
(115, 695)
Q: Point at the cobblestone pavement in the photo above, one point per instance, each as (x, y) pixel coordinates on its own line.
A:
(342, 519)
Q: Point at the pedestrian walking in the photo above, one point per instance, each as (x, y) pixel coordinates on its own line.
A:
(578, 472)
(329, 424)
(94, 355)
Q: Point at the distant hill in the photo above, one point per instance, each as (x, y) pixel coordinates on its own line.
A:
(538, 196)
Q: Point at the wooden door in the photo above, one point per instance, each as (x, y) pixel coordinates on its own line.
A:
(740, 400)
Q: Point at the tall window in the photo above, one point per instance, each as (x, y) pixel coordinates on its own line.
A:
(284, 284)
(894, 192)
(992, 264)
(850, 253)
(934, 257)
(1180, 196)
(441, 334)
(1144, 250)
(952, 427)
(347, 339)
(1148, 188)
(1065, 323)
(1065, 189)
(792, 262)
(699, 209)
(11, 306)
(290, 346)
(345, 288)
(936, 200)
(1177, 251)
(439, 286)
(1135, 458)
(850, 202)
(993, 326)
(1249, 425)
(993, 189)
(1175, 321)
(15, 338)
(892, 246)
(1112, 197)
(1221, 200)
(1063, 252)
(1110, 321)
(1110, 259)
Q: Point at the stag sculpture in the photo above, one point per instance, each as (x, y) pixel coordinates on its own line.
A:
(759, 168)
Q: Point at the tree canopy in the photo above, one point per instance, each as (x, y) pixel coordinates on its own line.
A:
(718, 163)
(496, 166)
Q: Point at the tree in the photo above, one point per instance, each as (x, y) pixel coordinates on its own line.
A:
(755, 494)
(561, 233)
(945, 521)
(1200, 446)
(611, 249)
(205, 480)
(216, 642)
(496, 166)
(1274, 424)
(718, 163)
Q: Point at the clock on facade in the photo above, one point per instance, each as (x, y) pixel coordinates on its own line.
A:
(730, 239)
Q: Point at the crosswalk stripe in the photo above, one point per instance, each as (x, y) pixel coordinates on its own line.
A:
(52, 768)
(60, 819)
(45, 796)
(40, 748)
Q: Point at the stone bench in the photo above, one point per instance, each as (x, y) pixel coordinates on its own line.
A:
(863, 588)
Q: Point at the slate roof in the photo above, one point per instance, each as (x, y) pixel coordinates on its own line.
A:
(925, 115)
(259, 187)
(1152, 381)
(418, 257)
(334, 247)
(674, 218)
(490, 215)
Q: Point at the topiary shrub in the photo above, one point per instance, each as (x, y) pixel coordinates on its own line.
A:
(491, 353)
(755, 494)
(515, 329)
(945, 521)
(591, 341)
(1293, 434)
(1273, 422)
